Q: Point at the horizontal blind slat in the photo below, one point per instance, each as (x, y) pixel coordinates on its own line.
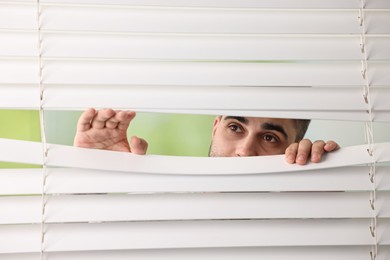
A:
(81, 181)
(20, 238)
(211, 206)
(19, 96)
(244, 253)
(336, 179)
(21, 151)
(157, 207)
(117, 236)
(18, 16)
(21, 181)
(377, 21)
(68, 156)
(19, 71)
(233, 3)
(18, 44)
(20, 210)
(70, 181)
(138, 19)
(299, 101)
(235, 233)
(212, 73)
(195, 47)
(215, 98)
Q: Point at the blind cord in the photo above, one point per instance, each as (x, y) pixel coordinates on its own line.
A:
(43, 132)
(369, 130)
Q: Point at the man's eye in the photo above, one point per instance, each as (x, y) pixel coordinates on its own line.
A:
(270, 138)
(235, 128)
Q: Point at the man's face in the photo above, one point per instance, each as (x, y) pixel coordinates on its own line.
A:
(251, 136)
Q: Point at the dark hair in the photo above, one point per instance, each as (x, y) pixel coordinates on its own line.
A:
(301, 126)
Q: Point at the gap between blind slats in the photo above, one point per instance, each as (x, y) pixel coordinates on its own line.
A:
(242, 253)
(192, 234)
(81, 181)
(163, 207)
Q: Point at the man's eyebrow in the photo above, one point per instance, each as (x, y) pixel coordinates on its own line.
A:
(274, 127)
(241, 119)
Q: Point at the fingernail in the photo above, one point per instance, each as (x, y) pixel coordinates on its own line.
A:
(301, 158)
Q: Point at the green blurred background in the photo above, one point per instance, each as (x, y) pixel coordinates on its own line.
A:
(167, 134)
(21, 125)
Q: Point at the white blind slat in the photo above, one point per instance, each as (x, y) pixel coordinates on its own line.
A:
(136, 235)
(302, 102)
(188, 234)
(225, 98)
(171, 20)
(68, 156)
(378, 47)
(106, 160)
(210, 73)
(20, 209)
(20, 181)
(246, 253)
(19, 71)
(210, 206)
(18, 44)
(19, 96)
(336, 179)
(21, 151)
(378, 21)
(197, 47)
(17, 16)
(156, 207)
(379, 74)
(71, 181)
(233, 3)
(20, 238)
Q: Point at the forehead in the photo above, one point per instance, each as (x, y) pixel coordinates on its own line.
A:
(259, 121)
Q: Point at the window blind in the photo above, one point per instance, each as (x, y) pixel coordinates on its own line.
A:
(288, 59)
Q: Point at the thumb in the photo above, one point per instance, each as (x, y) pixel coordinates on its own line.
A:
(138, 145)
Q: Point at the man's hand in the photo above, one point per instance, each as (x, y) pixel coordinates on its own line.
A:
(107, 129)
(305, 150)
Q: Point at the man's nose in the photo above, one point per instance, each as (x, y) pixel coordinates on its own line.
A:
(247, 147)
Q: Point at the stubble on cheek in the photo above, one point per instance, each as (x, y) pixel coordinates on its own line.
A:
(212, 150)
